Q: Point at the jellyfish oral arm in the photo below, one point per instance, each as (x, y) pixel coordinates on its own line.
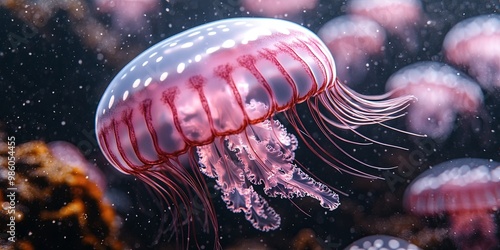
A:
(262, 154)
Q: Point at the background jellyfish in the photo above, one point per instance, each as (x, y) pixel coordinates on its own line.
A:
(442, 93)
(399, 17)
(279, 8)
(352, 40)
(466, 190)
(381, 242)
(473, 44)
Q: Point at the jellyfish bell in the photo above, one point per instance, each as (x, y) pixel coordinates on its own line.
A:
(211, 93)
(278, 8)
(442, 93)
(466, 189)
(352, 40)
(473, 44)
(381, 242)
(399, 17)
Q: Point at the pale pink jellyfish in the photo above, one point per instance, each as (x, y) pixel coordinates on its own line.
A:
(352, 40)
(210, 95)
(127, 14)
(442, 93)
(278, 8)
(475, 44)
(468, 190)
(398, 17)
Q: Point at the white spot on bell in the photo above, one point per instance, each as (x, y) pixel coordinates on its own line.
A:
(125, 95)
(212, 50)
(163, 76)
(194, 33)
(148, 81)
(159, 58)
(144, 63)
(393, 244)
(181, 67)
(197, 58)
(228, 43)
(111, 101)
(187, 45)
(136, 83)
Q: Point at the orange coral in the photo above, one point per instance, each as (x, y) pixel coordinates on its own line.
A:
(56, 205)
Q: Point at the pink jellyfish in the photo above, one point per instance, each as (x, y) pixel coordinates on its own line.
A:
(442, 92)
(467, 190)
(388, 242)
(210, 95)
(475, 44)
(352, 39)
(278, 8)
(398, 17)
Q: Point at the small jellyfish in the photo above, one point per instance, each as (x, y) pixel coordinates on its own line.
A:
(475, 45)
(398, 17)
(374, 242)
(442, 93)
(278, 8)
(352, 39)
(467, 190)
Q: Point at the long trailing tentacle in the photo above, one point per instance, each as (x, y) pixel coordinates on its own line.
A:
(342, 108)
(174, 184)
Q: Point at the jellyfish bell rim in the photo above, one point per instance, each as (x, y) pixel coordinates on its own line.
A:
(457, 33)
(452, 169)
(439, 74)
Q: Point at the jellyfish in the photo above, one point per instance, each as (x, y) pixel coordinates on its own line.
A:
(442, 93)
(211, 94)
(373, 242)
(399, 17)
(352, 40)
(474, 45)
(278, 8)
(467, 190)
